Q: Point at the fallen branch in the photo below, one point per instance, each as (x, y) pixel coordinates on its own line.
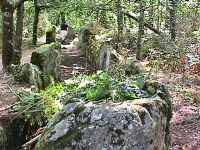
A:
(32, 141)
(131, 15)
(14, 92)
(7, 108)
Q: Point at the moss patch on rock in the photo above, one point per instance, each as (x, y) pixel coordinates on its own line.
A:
(130, 124)
(48, 58)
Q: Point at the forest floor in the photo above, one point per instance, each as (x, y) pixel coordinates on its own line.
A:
(73, 63)
(7, 86)
(185, 123)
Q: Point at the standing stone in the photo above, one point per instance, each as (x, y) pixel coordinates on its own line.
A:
(104, 57)
(51, 35)
(48, 58)
(66, 35)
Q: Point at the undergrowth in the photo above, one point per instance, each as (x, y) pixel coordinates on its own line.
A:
(40, 107)
(37, 108)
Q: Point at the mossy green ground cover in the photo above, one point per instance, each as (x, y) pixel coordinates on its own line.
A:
(97, 87)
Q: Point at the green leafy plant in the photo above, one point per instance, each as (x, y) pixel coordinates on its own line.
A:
(50, 102)
(40, 107)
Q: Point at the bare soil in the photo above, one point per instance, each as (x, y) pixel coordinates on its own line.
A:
(185, 122)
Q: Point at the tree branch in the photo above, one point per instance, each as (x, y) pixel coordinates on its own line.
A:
(131, 15)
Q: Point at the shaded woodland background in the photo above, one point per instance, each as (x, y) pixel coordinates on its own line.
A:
(150, 39)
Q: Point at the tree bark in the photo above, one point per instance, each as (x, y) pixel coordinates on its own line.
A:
(140, 32)
(16, 3)
(173, 19)
(35, 23)
(151, 13)
(120, 19)
(196, 17)
(158, 15)
(62, 16)
(18, 34)
(7, 47)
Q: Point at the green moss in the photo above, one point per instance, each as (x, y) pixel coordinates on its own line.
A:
(50, 101)
(40, 54)
(51, 28)
(65, 141)
(132, 69)
(73, 134)
(92, 46)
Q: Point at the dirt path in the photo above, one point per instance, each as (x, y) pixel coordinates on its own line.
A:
(185, 123)
(74, 63)
(7, 86)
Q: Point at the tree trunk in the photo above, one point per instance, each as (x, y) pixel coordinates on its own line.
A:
(7, 48)
(173, 19)
(158, 15)
(140, 32)
(151, 13)
(35, 23)
(120, 19)
(18, 34)
(196, 17)
(62, 16)
(167, 14)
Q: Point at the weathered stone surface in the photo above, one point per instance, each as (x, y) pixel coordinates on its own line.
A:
(44, 68)
(141, 124)
(28, 73)
(48, 58)
(51, 35)
(133, 68)
(95, 45)
(66, 36)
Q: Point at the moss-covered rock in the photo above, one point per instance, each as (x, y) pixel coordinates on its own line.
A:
(132, 125)
(31, 74)
(95, 45)
(133, 68)
(28, 73)
(48, 58)
(51, 35)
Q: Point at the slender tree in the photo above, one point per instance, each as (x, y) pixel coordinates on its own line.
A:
(38, 5)
(158, 15)
(8, 7)
(18, 35)
(196, 16)
(7, 47)
(140, 31)
(151, 13)
(120, 19)
(62, 16)
(172, 10)
(35, 23)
